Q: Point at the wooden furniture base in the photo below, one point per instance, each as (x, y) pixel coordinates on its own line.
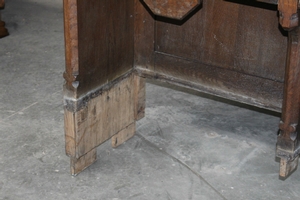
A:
(233, 49)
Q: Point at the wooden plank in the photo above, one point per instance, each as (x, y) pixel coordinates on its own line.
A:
(95, 118)
(99, 44)
(275, 2)
(78, 165)
(228, 34)
(105, 42)
(122, 136)
(288, 145)
(69, 132)
(225, 83)
(3, 30)
(98, 116)
(71, 46)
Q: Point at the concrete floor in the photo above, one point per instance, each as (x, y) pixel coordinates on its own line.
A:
(187, 147)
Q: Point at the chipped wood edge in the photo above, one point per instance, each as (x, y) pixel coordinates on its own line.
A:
(69, 132)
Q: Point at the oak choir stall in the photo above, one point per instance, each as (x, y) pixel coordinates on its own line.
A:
(242, 50)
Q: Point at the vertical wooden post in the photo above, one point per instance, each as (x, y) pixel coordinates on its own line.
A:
(288, 147)
(101, 93)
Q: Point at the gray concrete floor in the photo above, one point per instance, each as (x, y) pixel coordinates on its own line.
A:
(187, 147)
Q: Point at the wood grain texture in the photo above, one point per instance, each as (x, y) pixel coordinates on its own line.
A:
(3, 30)
(175, 9)
(78, 165)
(122, 136)
(2, 4)
(99, 44)
(70, 134)
(288, 141)
(71, 45)
(143, 36)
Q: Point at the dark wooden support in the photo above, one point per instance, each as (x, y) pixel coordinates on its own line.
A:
(288, 147)
(3, 30)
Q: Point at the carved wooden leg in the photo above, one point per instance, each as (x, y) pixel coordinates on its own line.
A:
(288, 147)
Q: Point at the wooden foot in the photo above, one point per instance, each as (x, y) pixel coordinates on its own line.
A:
(109, 112)
(287, 167)
(3, 30)
(79, 164)
(140, 97)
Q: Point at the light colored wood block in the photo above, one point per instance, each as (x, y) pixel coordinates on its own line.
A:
(78, 165)
(123, 135)
(109, 112)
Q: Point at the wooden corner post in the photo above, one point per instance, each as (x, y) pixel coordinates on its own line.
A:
(288, 147)
(102, 96)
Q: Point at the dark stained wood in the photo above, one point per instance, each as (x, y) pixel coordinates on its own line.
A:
(175, 9)
(288, 147)
(143, 36)
(3, 30)
(98, 118)
(71, 46)
(99, 43)
(227, 35)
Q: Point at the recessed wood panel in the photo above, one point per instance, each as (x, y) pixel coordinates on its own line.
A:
(241, 37)
(105, 41)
